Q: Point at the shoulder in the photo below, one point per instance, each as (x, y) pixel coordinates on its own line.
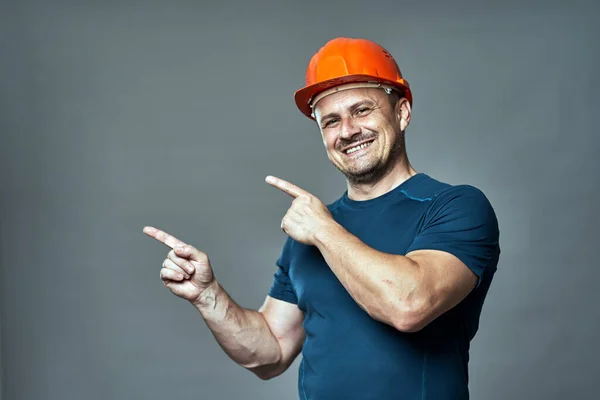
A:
(462, 193)
(442, 192)
(460, 201)
(285, 256)
(422, 187)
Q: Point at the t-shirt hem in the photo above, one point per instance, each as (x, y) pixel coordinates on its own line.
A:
(283, 297)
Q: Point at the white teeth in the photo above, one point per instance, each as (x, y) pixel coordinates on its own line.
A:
(353, 149)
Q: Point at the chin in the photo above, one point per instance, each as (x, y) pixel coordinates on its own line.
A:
(368, 174)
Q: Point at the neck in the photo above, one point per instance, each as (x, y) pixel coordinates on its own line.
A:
(396, 175)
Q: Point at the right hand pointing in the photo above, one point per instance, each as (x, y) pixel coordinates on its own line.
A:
(186, 271)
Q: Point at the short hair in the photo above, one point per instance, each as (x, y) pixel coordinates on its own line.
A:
(394, 96)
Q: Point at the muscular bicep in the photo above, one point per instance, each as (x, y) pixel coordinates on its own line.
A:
(444, 282)
(285, 321)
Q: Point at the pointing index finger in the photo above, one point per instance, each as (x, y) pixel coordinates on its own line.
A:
(163, 237)
(286, 187)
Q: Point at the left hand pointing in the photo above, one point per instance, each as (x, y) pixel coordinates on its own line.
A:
(306, 216)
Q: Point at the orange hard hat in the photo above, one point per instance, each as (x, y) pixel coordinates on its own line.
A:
(344, 60)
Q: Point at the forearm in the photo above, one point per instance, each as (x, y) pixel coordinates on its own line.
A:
(243, 334)
(384, 285)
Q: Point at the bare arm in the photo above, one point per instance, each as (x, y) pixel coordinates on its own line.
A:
(406, 292)
(265, 342)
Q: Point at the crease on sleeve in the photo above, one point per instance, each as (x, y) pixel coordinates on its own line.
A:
(462, 222)
(282, 288)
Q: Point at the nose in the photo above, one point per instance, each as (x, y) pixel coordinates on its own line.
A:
(349, 128)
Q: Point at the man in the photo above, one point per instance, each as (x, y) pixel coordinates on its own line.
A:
(381, 290)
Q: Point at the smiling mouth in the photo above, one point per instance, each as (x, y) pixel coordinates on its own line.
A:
(356, 148)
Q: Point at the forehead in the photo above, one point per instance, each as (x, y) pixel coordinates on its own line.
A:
(339, 101)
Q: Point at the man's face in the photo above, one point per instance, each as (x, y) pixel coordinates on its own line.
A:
(361, 131)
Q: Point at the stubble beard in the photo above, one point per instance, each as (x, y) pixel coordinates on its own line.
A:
(373, 173)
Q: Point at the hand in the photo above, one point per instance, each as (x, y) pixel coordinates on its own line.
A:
(186, 271)
(306, 216)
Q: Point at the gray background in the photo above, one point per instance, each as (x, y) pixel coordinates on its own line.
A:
(116, 115)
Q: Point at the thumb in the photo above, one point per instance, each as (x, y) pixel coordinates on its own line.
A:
(192, 254)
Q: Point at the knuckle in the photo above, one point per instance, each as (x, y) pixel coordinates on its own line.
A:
(202, 257)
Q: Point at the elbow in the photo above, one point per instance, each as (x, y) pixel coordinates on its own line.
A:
(411, 317)
(267, 377)
(408, 326)
(264, 376)
(265, 372)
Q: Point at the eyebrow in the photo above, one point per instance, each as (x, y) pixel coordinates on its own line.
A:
(352, 108)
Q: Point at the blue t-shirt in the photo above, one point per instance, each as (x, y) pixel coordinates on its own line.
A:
(349, 355)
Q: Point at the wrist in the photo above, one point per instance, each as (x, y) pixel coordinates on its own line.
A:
(327, 232)
(207, 299)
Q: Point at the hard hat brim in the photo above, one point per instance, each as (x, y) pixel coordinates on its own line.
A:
(304, 96)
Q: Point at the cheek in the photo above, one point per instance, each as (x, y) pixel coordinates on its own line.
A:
(329, 141)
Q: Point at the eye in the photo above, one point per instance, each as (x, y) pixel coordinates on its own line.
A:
(362, 111)
(330, 122)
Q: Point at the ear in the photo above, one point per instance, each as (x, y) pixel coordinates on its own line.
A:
(403, 111)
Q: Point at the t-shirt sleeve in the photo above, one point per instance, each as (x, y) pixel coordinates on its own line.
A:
(281, 287)
(462, 222)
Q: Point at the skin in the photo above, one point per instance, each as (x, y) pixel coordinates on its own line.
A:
(406, 292)
(265, 341)
(354, 116)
